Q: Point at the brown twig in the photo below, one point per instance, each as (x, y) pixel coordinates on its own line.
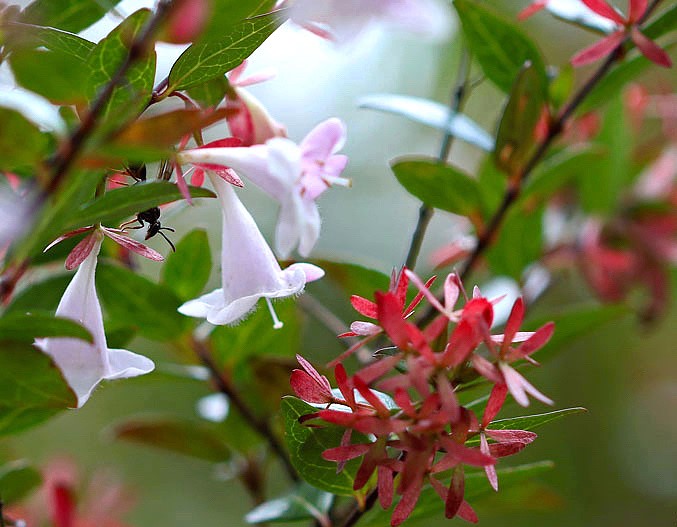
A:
(225, 386)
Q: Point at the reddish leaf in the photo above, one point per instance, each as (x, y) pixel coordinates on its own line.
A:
(495, 403)
(363, 306)
(385, 486)
(307, 388)
(345, 453)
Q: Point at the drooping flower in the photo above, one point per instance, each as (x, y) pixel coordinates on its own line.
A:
(250, 121)
(294, 175)
(85, 365)
(344, 20)
(249, 270)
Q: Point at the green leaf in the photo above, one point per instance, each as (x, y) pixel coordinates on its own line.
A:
(26, 328)
(515, 139)
(476, 486)
(189, 438)
(69, 15)
(131, 96)
(128, 201)
(187, 270)
(354, 279)
(210, 93)
(21, 142)
(204, 61)
(665, 22)
(32, 389)
(438, 185)
(519, 244)
(562, 86)
(530, 422)
(499, 45)
(51, 38)
(256, 336)
(306, 445)
(431, 113)
(304, 503)
(40, 296)
(42, 72)
(17, 480)
(132, 300)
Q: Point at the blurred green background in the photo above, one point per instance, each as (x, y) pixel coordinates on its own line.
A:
(614, 466)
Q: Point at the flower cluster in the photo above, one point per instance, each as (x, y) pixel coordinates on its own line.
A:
(421, 434)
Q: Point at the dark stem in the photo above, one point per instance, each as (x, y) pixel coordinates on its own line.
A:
(68, 152)
(2, 513)
(425, 213)
(225, 386)
(356, 513)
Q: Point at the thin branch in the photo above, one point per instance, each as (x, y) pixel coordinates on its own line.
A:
(356, 513)
(456, 101)
(224, 385)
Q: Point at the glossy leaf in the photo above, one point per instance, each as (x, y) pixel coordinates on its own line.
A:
(32, 388)
(17, 480)
(132, 300)
(227, 13)
(499, 45)
(209, 93)
(26, 328)
(68, 15)
(204, 61)
(303, 503)
(516, 139)
(51, 38)
(306, 444)
(21, 143)
(438, 185)
(187, 270)
(430, 505)
(128, 201)
(131, 96)
(430, 113)
(189, 438)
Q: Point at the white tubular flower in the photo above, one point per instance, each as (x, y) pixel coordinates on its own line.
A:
(85, 365)
(249, 270)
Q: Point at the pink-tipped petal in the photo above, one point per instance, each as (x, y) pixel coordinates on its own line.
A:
(490, 470)
(598, 50)
(325, 139)
(650, 49)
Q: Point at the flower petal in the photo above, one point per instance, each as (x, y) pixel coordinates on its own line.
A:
(599, 49)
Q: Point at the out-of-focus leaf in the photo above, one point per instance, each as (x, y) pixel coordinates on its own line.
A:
(26, 328)
(256, 336)
(227, 13)
(132, 300)
(430, 113)
(500, 46)
(562, 86)
(32, 389)
(189, 438)
(665, 22)
(128, 201)
(603, 182)
(492, 184)
(43, 72)
(354, 279)
(204, 61)
(21, 143)
(69, 15)
(187, 270)
(476, 486)
(17, 480)
(51, 38)
(306, 444)
(132, 95)
(516, 140)
(519, 244)
(41, 296)
(303, 503)
(439, 185)
(209, 93)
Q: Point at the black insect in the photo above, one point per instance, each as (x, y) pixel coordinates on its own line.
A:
(152, 215)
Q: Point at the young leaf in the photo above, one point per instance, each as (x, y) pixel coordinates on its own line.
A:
(304, 503)
(438, 185)
(17, 480)
(132, 300)
(189, 438)
(204, 61)
(516, 139)
(69, 15)
(432, 114)
(306, 445)
(26, 328)
(499, 45)
(187, 270)
(132, 95)
(32, 388)
(128, 201)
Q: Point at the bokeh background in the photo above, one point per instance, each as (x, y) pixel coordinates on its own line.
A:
(615, 465)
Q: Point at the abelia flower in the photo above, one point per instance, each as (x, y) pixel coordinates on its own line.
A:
(85, 365)
(627, 26)
(249, 270)
(345, 20)
(294, 175)
(249, 121)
